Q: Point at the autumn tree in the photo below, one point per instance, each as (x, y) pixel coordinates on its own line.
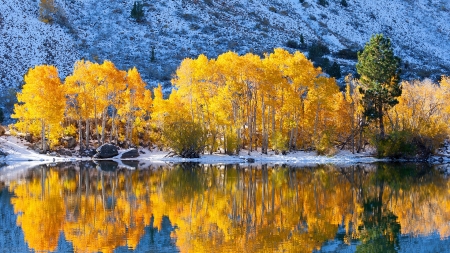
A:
(41, 104)
(136, 104)
(379, 70)
(47, 10)
(83, 93)
(421, 116)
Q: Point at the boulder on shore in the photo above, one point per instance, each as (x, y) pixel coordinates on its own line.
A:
(106, 151)
(88, 152)
(64, 152)
(69, 142)
(132, 153)
(2, 131)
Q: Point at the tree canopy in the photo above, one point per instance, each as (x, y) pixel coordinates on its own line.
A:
(379, 70)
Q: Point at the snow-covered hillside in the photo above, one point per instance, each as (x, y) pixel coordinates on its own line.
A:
(102, 29)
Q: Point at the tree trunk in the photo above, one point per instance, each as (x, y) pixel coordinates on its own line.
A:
(87, 133)
(80, 134)
(103, 125)
(96, 123)
(113, 126)
(380, 115)
(43, 135)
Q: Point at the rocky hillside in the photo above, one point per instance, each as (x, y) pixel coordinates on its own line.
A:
(175, 29)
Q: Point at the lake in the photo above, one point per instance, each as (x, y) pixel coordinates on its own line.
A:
(104, 207)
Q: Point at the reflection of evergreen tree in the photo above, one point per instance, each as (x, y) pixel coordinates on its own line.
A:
(380, 230)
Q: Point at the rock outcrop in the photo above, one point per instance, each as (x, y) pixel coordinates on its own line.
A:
(106, 151)
(132, 153)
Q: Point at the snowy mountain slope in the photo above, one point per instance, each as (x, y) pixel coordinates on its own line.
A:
(102, 29)
(25, 42)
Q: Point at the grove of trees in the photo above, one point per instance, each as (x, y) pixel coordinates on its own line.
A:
(277, 102)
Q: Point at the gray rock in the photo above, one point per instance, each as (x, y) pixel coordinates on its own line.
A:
(69, 142)
(250, 160)
(107, 151)
(132, 153)
(38, 145)
(64, 152)
(107, 165)
(88, 153)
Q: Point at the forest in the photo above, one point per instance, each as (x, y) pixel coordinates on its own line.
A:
(279, 101)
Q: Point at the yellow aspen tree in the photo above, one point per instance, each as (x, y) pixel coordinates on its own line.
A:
(320, 108)
(82, 89)
(113, 82)
(43, 97)
(136, 102)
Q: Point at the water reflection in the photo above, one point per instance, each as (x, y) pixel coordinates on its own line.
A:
(229, 208)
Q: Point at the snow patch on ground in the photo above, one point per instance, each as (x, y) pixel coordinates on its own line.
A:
(18, 152)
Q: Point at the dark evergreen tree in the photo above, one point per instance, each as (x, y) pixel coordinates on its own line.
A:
(137, 12)
(323, 2)
(344, 3)
(317, 50)
(379, 70)
(302, 41)
(152, 57)
(334, 70)
(2, 115)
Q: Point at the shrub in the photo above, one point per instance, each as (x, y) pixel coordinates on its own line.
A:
(323, 62)
(398, 144)
(292, 44)
(347, 54)
(231, 143)
(70, 130)
(208, 2)
(323, 2)
(334, 70)
(317, 50)
(280, 143)
(186, 139)
(324, 146)
(47, 10)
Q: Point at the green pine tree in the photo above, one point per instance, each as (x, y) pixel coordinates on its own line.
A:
(137, 12)
(152, 57)
(334, 70)
(302, 41)
(323, 3)
(379, 70)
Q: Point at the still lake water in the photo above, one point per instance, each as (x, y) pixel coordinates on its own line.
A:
(87, 207)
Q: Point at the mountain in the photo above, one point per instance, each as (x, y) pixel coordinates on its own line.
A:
(175, 29)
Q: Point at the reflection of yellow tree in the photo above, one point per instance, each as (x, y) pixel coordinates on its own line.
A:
(256, 210)
(227, 208)
(40, 205)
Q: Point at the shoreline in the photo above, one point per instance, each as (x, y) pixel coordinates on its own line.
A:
(18, 153)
